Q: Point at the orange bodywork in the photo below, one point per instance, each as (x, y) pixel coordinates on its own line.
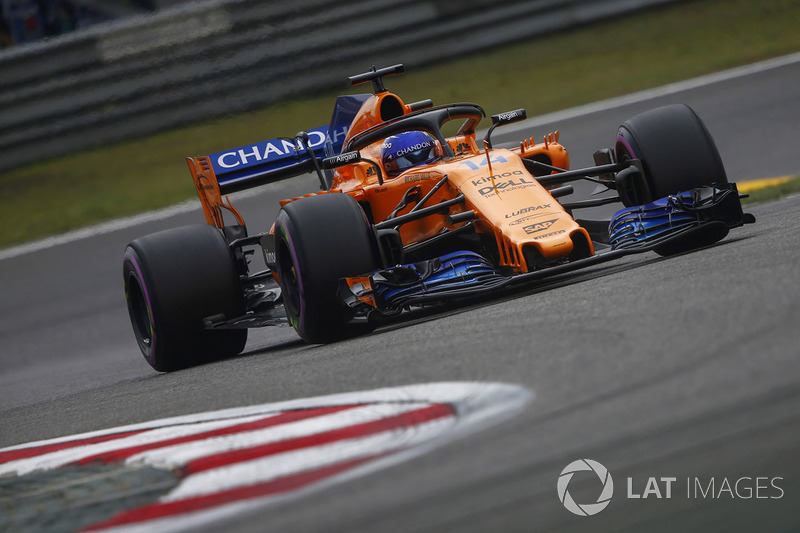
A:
(516, 209)
(205, 182)
(510, 205)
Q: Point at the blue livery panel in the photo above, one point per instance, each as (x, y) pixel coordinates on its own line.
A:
(280, 158)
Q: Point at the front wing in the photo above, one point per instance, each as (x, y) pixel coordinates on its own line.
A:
(685, 221)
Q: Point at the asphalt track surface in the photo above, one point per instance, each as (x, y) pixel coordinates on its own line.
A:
(685, 367)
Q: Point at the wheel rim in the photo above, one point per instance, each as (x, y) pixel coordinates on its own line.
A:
(290, 287)
(140, 315)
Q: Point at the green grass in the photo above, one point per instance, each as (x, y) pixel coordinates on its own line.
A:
(773, 192)
(553, 72)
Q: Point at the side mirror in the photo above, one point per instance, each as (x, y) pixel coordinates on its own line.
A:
(509, 117)
(349, 158)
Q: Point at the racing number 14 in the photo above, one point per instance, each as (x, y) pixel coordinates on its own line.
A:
(495, 159)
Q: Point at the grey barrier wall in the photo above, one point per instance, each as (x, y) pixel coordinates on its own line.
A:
(206, 59)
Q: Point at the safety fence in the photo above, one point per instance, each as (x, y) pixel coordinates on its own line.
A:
(207, 59)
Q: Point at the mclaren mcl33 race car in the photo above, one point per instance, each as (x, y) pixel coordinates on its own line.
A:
(412, 211)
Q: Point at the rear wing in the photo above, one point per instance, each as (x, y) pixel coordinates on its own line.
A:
(253, 165)
(269, 161)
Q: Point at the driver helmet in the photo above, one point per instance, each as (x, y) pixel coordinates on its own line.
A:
(407, 150)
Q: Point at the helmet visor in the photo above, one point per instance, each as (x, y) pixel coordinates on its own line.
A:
(409, 157)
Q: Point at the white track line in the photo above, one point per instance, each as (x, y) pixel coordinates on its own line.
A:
(99, 229)
(594, 107)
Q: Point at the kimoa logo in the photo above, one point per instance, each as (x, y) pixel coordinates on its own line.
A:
(585, 509)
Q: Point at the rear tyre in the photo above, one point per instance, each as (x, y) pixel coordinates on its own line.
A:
(675, 148)
(321, 239)
(173, 280)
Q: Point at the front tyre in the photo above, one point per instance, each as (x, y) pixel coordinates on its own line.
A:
(675, 148)
(173, 280)
(677, 154)
(319, 240)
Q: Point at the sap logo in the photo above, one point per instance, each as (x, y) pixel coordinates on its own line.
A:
(539, 226)
(528, 210)
(499, 159)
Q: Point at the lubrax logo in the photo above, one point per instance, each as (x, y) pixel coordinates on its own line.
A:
(664, 487)
(525, 210)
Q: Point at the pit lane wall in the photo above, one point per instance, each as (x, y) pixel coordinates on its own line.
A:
(207, 59)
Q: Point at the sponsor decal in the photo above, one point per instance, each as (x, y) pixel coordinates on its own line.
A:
(511, 115)
(408, 149)
(463, 148)
(528, 210)
(345, 158)
(425, 176)
(539, 226)
(487, 179)
(529, 217)
(204, 183)
(217, 464)
(508, 185)
(551, 234)
(271, 151)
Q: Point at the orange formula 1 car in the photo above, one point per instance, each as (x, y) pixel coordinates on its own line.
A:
(413, 210)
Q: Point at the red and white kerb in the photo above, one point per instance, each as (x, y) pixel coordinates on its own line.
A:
(233, 460)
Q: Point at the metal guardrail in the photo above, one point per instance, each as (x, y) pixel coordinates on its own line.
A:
(204, 60)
